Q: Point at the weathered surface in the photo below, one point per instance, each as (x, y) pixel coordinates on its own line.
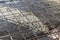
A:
(29, 18)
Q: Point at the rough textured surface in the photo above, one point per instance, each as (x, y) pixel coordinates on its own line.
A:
(30, 20)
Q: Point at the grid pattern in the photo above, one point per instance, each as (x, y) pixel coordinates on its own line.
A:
(33, 24)
(22, 25)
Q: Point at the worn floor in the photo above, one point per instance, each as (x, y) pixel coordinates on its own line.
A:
(30, 20)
